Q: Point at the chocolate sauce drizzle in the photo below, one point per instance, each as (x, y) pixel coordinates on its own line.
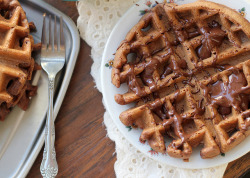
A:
(233, 93)
(159, 109)
(175, 119)
(133, 83)
(147, 74)
(170, 117)
(200, 110)
(188, 82)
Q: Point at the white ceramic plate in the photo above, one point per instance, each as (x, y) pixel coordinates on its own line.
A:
(129, 19)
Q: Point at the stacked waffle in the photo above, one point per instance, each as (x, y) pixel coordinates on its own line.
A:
(16, 63)
(188, 69)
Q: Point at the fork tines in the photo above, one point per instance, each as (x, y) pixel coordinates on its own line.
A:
(52, 44)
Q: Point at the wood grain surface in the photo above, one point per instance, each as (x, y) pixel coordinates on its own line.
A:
(82, 147)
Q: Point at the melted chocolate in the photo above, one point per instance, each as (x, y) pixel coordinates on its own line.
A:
(173, 66)
(157, 107)
(156, 104)
(193, 34)
(161, 112)
(195, 92)
(222, 67)
(166, 72)
(188, 82)
(203, 51)
(147, 74)
(228, 95)
(200, 110)
(182, 35)
(213, 36)
(176, 120)
(182, 64)
(133, 83)
(224, 110)
(178, 127)
(245, 104)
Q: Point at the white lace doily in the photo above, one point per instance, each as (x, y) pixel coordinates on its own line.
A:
(95, 22)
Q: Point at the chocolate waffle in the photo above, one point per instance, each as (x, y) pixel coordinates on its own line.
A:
(16, 63)
(187, 68)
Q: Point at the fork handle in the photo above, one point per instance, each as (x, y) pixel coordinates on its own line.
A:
(49, 167)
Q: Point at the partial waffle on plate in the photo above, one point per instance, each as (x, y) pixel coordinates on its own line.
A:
(187, 67)
(16, 63)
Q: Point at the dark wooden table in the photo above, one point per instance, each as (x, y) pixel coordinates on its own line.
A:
(82, 148)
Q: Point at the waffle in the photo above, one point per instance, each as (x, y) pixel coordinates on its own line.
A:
(16, 63)
(187, 68)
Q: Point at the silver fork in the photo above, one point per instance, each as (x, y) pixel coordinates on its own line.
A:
(52, 61)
